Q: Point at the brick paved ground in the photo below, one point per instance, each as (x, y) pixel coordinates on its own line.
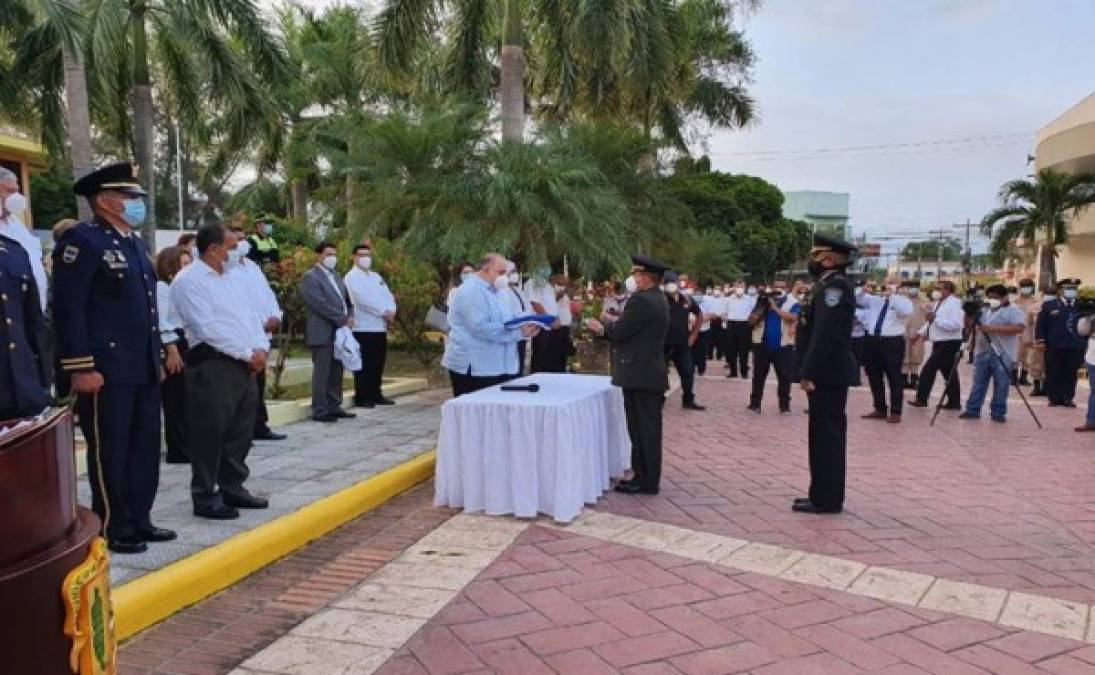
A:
(562, 603)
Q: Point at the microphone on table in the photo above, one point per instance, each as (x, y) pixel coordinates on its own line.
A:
(532, 388)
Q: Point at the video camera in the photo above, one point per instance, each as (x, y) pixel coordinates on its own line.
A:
(973, 307)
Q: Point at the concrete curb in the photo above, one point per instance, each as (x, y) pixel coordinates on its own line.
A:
(156, 596)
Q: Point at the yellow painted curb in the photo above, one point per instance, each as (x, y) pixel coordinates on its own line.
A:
(157, 595)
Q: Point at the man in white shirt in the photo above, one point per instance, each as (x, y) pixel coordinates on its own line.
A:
(374, 312)
(885, 348)
(227, 349)
(709, 310)
(943, 328)
(12, 206)
(519, 305)
(264, 305)
(739, 336)
(541, 295)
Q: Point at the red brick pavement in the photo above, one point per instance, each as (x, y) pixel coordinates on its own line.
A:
(214, 636)
(1003, 505)
(562, 603)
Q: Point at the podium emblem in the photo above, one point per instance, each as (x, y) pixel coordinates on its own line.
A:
(89, 617)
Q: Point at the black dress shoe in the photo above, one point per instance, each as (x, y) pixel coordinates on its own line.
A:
(809, 507)
(343, 415)
(175, 459)
(157, 534)
(917, 403)
(953, 406)
(245, 500)
(692, 405)
(384, 401)
(324, 418)
(268, 435)
(364, 404)
(633, 489)
(801, 500)
(216, 512)
(126, 545)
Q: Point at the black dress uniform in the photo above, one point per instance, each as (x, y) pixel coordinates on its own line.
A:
(24, 381)
(104, 309)
(823, 346)
(1064, 349)
(677, 350)
(638, 359)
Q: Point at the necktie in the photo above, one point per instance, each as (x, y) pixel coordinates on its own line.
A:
(881, 318)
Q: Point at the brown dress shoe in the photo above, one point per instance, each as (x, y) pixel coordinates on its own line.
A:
(894, 419)
(875, 415)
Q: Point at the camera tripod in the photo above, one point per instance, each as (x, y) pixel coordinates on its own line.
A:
(996, 354)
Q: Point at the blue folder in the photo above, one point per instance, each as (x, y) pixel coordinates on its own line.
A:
(544, 320)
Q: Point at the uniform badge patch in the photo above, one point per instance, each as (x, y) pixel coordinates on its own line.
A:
(833, 296)
(69, 254)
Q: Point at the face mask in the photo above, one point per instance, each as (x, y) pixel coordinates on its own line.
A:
(15, 203)
(234, 256)
(559, 289)
(330, 262)
(514, 278)
(994, 303)
(750, 291)
(134, 211)
(631, 285)
(937, 295)
(739, 292)
(244, 247)
(464, 276)
(709, 291)
(364, 262)
(501, 282)
(267, 229)
(1071, 293)
(913, 292)
(671, 288)
(718, 294)
(1012, 297)
(543, 273)
(193, 252)
(859, 291)
(1027, 290)
(815, 268)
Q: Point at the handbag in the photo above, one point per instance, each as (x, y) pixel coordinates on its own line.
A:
(437, 319)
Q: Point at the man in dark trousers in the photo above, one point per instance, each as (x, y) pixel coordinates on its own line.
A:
(1064, 349)
(108, 346)
(638, 340)
(826, 370)
(24, 383)
(681, 336)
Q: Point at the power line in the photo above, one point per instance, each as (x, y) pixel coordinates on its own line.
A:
(996, 140)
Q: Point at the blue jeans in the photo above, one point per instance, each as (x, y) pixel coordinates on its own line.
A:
(985, 366)
(1091, 396)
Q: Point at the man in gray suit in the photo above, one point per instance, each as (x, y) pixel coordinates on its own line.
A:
(329, 308)
(639, 368)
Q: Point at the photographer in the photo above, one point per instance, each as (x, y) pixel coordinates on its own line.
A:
(1001, 325)
(1086, 326)
(773, 321)
(944, 330)
(1064, 350)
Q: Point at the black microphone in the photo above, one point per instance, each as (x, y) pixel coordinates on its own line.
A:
(533, 388)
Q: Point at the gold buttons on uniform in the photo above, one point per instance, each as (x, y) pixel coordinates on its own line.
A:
(11, 345)
(9, 321)
(4, 297)
(112, 345)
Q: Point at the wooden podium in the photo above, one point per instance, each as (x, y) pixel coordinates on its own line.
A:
(54, 569)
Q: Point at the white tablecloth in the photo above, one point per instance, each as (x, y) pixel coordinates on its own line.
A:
(523, 453)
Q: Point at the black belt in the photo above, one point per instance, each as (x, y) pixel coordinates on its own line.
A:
(203, 352)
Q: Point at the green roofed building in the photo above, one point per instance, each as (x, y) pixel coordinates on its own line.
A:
(827, 212)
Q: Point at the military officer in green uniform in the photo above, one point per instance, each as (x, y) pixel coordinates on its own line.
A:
(826, 370)
(639, 368)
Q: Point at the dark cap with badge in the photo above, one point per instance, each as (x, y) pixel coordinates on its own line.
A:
(823, 242)
(120, 177)
(644, 263)
(1069, 282)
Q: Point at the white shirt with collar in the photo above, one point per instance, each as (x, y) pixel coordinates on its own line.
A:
(543, 292)
(372, 299)
(519, 304)
(738, 308)
(252, 282)
(13, 228)
(170, 321)
(949, 320)
(566, 317)
(212, 306)
(898, 312)
(331, 277)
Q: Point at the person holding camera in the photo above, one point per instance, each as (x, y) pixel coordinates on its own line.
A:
(1085, 326)
(1064, 350)
(996, 352)
(773, 322)
(945, 320)
(884, 349)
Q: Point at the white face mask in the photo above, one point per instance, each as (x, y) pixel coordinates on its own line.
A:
(464, 276)
(514, 278)
(1013, 297)
(330, 262)
(559, 289)
(234, 256)
(859, 290)
(751, 291)
(631, 285)
(15, 203)
(501, 282)
(364, 262)
(1071, 293)
(718, 294)
(913, 292)
(739, 292)
(994, 303)
(244, 247)
(1026, 290)
(671, 288)
(937, 295)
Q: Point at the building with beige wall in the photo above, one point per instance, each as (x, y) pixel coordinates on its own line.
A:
(1068, 144)
(23, 155)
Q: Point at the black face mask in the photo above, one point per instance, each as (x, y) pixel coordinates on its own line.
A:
(815, 268)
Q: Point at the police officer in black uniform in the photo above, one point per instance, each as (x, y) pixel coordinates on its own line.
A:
(638, 359)
(24, 383)
(826, 370)
(104, 309)
(1064, 349)
(681, 336)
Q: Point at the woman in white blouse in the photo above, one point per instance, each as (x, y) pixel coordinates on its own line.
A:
(172, 391)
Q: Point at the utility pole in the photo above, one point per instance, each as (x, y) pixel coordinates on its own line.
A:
(967, 262)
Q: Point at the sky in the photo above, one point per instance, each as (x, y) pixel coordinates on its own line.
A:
(968, 82)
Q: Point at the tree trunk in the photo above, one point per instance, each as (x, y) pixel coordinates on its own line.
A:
(299, 192)
(353, 199)
(79, 124)
(1047, 268)
(143, 112)
(513, 75)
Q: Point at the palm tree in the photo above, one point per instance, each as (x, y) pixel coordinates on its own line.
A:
(49, 49)
(211, 57)
(1040, 209)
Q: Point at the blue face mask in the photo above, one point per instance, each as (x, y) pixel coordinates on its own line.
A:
(134, 211)
(268, 229)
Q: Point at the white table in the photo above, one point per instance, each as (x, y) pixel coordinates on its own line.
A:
(523, 453)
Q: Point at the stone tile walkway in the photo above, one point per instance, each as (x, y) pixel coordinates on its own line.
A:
(315, 461)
